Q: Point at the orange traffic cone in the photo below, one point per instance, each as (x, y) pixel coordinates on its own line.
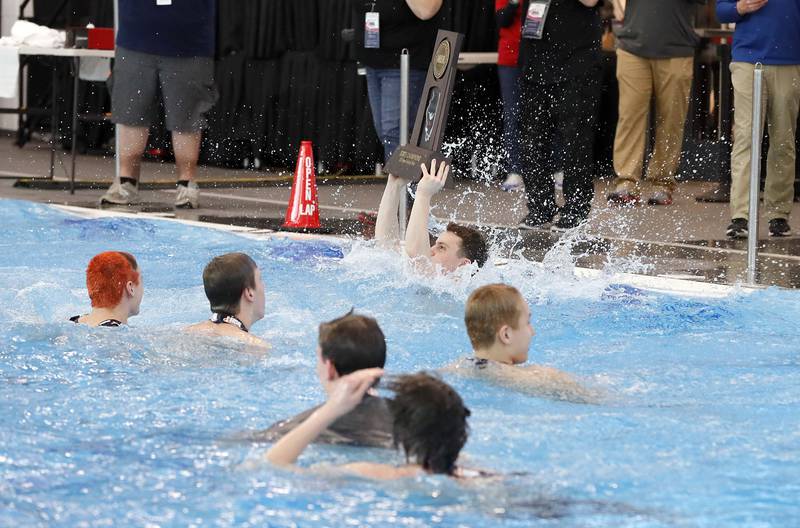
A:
(303, 210)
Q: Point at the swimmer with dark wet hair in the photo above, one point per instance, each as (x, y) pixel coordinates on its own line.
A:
(115, 288)
(499, 328)
(347, 344)
(457, 246)
(235, 292)
(429, 424)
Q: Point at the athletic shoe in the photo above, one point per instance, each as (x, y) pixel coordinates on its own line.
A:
(513, 183)
(121, 194)
(558, 179)
(660, 198)
(779, 227)
(533, 222)
(738, 228)
(565, 223)
(623, 197)
(187, 196)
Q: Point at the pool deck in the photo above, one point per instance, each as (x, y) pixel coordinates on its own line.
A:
(685, 240)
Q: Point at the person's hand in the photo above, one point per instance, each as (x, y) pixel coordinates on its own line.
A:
(350, 390)
(433, 180)
(749, 6)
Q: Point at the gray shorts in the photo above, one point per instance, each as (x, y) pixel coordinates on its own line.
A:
(186, 85)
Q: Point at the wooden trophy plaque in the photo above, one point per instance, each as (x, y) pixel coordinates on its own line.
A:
(434, 106)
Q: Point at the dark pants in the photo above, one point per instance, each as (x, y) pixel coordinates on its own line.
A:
(571, 108)
(383, 87)
(509, 90)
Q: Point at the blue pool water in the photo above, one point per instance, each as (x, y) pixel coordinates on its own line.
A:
(131, 427)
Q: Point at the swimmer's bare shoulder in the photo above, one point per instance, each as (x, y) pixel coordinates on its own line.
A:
(374, 470)
(536, 380)
(224, 330)
(378, 471)
(554, 383)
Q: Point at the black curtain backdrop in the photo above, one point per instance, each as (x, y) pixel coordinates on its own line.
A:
(284, 74)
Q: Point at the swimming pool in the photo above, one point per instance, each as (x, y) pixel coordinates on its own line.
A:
(131, 426)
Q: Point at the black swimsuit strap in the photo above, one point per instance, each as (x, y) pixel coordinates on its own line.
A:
(108, 322)
(479, 362)
(219, 318)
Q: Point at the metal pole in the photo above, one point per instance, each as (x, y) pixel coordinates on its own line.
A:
(53, 121)
(76, 64)
(404, 78)
(116, 127)
(755, 176)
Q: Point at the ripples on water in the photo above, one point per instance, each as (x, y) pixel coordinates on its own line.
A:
(133, 426)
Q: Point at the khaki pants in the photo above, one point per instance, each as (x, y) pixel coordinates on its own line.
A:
(670, 80)
(780, 99)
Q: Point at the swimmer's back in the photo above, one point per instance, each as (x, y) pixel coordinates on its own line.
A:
(536, 380)
(368, 425)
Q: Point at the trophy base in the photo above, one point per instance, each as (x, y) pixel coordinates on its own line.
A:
(406, 160)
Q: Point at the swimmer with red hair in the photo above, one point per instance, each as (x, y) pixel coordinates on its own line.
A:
(115, 289)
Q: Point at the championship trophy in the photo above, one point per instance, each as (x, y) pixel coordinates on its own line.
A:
(434, 106)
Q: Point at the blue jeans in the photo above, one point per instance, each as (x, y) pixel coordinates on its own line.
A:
(509, 90)
(383, 87)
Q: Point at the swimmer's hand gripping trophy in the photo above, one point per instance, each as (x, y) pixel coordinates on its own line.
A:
(426, 138)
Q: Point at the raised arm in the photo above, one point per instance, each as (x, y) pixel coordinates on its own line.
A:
(424, 9)
(387, 229)
(418, 241)
(348, 393)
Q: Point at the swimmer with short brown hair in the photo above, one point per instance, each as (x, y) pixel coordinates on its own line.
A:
(347, 344)
(235, 293)
(457, 246)
(429, 424)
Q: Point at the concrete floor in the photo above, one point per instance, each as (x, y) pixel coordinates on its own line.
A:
(686, 239)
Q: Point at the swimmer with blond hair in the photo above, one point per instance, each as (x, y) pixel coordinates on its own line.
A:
(457, 246)
(115, 288)
(499, 328)
(235, 293)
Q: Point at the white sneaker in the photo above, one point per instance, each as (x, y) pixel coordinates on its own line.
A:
(187, 196)
(121, 194)
(558, 178)
(513, 183)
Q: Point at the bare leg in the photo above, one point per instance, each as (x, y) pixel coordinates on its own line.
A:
(187, 152)
(132, 142)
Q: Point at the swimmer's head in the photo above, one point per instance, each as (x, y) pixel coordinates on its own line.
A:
(498, 319)
(347, 344)
(429, 421)
(232, 280)
(113, 277)
(457, 246)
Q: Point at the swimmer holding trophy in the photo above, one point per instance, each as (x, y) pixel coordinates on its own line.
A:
(421, 161)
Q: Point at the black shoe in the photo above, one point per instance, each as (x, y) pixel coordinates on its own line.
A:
(565, 223)
(779, 227)
(738, 228)
(534, 221)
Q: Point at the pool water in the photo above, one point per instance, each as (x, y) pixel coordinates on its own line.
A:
(133, 426)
